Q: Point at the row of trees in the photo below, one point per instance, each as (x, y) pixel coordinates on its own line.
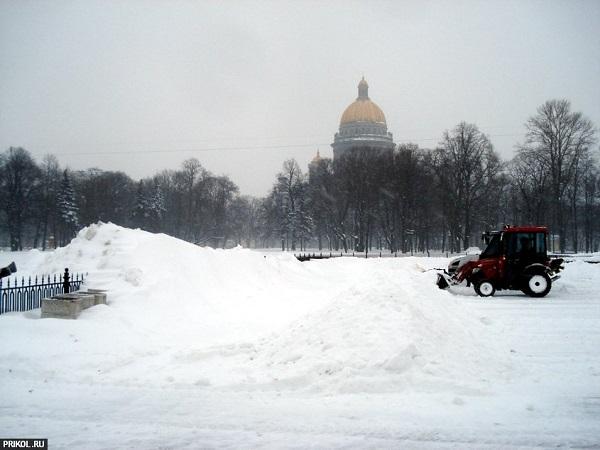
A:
(45, 205)
(417, 199)
(36, 200)
(406, 200)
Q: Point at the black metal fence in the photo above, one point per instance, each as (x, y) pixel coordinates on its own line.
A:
(27, 295)
(326, 255)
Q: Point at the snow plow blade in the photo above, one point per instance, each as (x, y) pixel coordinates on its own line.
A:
(442, 283)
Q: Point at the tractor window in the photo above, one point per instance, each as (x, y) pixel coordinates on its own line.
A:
(493, 248)
(540, 243)
(526, 244)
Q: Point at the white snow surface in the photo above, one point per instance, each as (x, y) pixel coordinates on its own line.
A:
(234, 348)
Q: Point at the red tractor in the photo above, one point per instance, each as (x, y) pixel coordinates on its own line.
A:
(515, 258)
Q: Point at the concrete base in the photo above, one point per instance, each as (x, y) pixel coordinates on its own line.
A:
(67, 306)
(86, 300)
(53, 308)
(99, 294)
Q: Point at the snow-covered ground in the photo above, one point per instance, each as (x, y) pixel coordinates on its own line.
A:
(240, 349)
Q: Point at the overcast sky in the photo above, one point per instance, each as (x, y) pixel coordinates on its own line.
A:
(140, 86)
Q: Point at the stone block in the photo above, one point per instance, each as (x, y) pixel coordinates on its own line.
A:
(99, 295)
(69, 306)
(61, 308)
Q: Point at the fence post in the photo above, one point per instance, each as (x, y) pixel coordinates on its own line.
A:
(66, 284)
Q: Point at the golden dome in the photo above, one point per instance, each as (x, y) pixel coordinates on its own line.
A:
(363, 109)
(317, 158)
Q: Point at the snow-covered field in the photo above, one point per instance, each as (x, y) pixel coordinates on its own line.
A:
(202, 348)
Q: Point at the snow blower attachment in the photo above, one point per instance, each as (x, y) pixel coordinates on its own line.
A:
(515, 258)
(8, 270)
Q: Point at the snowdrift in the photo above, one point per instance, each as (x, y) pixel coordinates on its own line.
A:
(238, 319)
(387, 332)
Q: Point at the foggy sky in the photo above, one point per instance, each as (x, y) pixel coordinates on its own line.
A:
(140, 86)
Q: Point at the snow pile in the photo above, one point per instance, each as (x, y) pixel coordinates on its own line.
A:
(181, 314)
(169, 284)
(388, 333)
(577, 278)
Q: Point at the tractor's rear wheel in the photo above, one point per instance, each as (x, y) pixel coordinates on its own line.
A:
(484, 288)
(537, 285)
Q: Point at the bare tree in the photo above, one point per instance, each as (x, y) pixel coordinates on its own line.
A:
(192, 171)
(556, 141)
(466, 167)
(19, 183)
(328, 207)
(591, 206)
(401, 198)
(286, 210)
(243, 220)
(531, 190)
(218, 195)
(48, 195)
(360, 174)
(105, 195)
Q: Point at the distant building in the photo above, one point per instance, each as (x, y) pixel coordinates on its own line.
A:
(315, 161)
(362, 125)
(314, 165)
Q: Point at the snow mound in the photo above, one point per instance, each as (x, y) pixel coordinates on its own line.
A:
(158, 280)
(577, 278)
(387, 336)
(117, 257)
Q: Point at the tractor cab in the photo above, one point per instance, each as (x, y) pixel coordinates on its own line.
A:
(514, 258)
(512, 251)
(523, 244)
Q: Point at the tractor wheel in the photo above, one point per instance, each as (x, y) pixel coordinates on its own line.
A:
(484, 288)
(537, 285)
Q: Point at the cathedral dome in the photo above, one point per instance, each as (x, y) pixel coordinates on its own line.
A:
(362, 126)
(363, 109)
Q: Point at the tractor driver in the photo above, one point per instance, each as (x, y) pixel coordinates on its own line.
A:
(526, 249)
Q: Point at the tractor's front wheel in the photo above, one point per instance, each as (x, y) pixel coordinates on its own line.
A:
(484, 288)
(537, 285)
